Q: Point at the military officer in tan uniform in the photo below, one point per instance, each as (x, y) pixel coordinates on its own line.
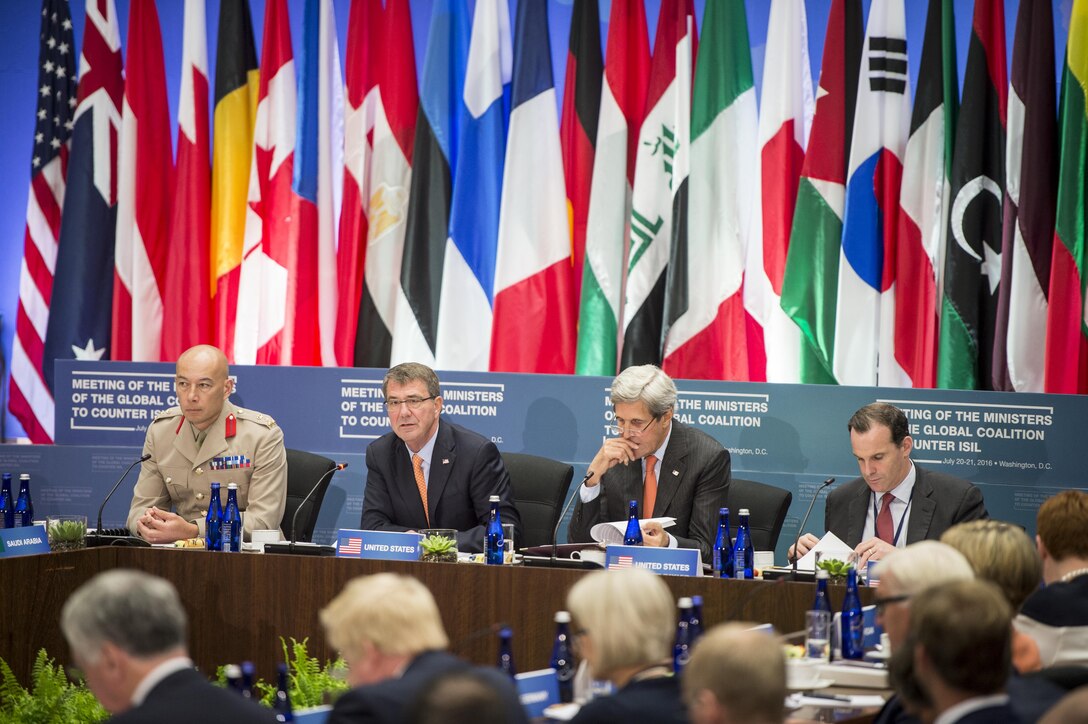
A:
(204, 440)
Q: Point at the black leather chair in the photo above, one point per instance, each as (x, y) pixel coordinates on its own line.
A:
(303, 471)
(539, 486)
(767, 506)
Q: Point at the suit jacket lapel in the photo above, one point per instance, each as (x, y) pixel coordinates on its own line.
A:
(407, 491)
(922, 507)
(441, 465)
(674, 461)
(858, 511)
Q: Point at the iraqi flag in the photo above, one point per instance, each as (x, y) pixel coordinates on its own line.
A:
(1031, 190)
(145, 188)
(660, 175)
(972, 267)
(785, 115)
(623, 102)
(810, 282)
(186, 300)
(923, 203)
(468, 275)
(866, 278)
(533, 275)
(704, 308)
(1067, 312)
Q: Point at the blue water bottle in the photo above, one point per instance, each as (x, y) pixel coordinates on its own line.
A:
(7, 505)
(506, 652)
(24, 506)
(633, 535)
(282, 703)
(742, 549)
(853, 625)
(723, 547)
(562, 658)
(249, 675)
(681, 650)
(213, 522)
(822, 602)
(493, 537)
(230, 530)
(696, 623)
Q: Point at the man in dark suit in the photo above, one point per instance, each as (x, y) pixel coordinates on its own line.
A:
(671, 469)
(389, 631)
(428, 473)
(126, 631)
(894, 503)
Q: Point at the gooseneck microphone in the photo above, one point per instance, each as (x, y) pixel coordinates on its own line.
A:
(577, 490)
(294, 518)
(99, 538)
(800, 528)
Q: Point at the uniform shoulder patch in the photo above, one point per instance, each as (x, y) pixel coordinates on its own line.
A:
(253, 416)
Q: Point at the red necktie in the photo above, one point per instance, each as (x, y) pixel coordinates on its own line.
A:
(649, 493)
(884, 527)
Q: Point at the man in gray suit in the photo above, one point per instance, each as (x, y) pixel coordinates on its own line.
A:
(894, 503)
(671, 469)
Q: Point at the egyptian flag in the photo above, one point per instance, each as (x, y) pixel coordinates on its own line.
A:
(785, 115)
(533, 275)
(578, 127)
(810, 282)
(145, 189)
(704, 308)
(1066, 330)
(236, 80)
(972, 269)
(923, 203)
(623, 102)
(187, 302)
(659, 198)
(1031, 190)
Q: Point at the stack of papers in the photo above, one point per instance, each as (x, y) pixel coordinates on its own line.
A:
(612, 534)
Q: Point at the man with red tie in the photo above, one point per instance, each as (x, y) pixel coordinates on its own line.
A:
(894, 503)
(673, 470)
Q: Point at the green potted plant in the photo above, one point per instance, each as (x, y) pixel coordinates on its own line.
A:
(440, 548)
(51, 698)
(67, 535)
(836, 569)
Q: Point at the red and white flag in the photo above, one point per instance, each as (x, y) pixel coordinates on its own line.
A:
(144, 193)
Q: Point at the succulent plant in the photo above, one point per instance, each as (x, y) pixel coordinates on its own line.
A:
(438, 548)
(66, 535)
(835, 568)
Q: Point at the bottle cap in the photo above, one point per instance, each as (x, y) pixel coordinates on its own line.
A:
(696, 600)
(744, 511)
(24, 476)
(822, 574)
(723, 511)
(494, 499)
(232, 486)
(214, 486)
(684, 602)
(562, 616)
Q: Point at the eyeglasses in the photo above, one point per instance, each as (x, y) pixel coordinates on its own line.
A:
(632, 428)
(412, 403)
(881, 603)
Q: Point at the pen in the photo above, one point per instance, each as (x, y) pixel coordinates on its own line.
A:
(829, 697)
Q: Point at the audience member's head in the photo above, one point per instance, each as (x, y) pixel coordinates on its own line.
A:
(120, 625)
(1060, 525)
(1072, 709)
(959, 641)
(1001, 553)
(735, 676)
(908, 571)
(380, 623)
(624, 620)
(460, 697)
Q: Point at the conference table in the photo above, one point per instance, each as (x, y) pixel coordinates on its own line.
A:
(240, 604)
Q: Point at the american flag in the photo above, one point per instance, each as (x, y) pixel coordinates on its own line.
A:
(351, 546)
(31, 401)
(622, 562)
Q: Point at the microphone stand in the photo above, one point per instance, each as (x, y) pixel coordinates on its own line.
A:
(293, 546)
(823, 486)
(555, 533)
(99, 539)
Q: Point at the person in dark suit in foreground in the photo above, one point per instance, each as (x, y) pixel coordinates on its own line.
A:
(625, 621)
(895, 502)
(958, 653)
(126, 631)
(428, 473)
(389, 631)
(671, 469)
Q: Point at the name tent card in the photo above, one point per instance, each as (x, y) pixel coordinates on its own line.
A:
(537, 690)
(376, 544)
(667, 561)
(24, 541)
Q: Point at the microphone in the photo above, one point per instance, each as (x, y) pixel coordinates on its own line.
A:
(292, 546)
(823, 486)
(99, 538)
(555, 533)
(294, 518)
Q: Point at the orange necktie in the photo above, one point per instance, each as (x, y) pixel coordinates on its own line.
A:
(649, 493)
(421, 484)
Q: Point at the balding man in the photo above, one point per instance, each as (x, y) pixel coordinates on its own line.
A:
(206, 439)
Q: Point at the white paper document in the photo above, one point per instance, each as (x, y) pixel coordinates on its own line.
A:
(831, 546)
(612, 533)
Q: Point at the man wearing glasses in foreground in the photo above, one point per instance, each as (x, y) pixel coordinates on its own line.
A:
(673, 470)
(432, 474)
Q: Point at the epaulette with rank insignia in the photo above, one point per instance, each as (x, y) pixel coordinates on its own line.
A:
(252, 416)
